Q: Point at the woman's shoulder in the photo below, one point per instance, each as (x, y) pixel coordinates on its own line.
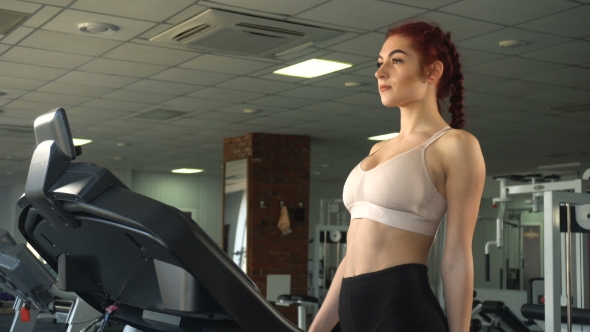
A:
(459, 145)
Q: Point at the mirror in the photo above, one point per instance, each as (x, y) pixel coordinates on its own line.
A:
(235, 211)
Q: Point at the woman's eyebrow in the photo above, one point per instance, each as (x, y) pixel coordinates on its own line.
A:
(393, 52)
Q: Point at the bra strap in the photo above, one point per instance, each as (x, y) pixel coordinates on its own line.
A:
(435, 137)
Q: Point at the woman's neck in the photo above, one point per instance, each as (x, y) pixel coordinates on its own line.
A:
(420, 116)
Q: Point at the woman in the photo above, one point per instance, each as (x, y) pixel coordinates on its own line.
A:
(399, 193)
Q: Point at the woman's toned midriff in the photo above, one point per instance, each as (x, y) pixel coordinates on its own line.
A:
(373, 246)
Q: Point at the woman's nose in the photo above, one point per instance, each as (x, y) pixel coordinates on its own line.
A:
(380, 73)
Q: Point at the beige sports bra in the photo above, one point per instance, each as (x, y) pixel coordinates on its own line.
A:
(398, 192)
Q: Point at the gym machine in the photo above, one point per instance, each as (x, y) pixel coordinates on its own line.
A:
(34, 287)
(131, 258)
(562, 202)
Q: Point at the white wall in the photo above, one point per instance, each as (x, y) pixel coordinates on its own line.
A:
(191, 191)
(9, 211)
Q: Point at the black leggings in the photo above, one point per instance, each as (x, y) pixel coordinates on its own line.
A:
(395, 299)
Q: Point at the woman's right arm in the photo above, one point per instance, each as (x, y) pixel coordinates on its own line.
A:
(327, 316)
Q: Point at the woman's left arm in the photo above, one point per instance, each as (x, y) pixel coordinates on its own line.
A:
(465, 176)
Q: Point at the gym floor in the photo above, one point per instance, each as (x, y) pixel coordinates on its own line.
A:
(47, 325)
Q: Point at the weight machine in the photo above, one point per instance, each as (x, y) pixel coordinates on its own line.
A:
(563, 202)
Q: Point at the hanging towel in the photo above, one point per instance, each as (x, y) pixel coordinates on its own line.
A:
(284, 222)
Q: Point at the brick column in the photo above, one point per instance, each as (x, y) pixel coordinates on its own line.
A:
(278, 170)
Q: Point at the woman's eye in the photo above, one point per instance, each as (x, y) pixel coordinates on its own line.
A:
(396, 61)
(379, 64)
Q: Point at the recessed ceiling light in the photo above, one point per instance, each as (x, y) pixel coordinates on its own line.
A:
(325, 165)
(250, 111)
(160, 114)
(317, 173)
(353, 84)
(313, 68)
(511, 43)
(383, 137)
(97, 28)
(9, 173)
(187, 170)
(122, 144)
(117, 158)
(81, 141)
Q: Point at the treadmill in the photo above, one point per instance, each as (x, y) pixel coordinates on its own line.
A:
(130, 257)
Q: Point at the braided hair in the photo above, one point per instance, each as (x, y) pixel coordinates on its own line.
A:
(432, 44)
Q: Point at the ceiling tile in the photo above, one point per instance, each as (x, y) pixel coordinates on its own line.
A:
(568, 76)
(563, 95)
(29, 71)
(129, 123)
(19, 6)
(223, 116)
(31, 106)
(431, 4)
(224, 64)
(460, 28)
(19, 83)
(339, 81)
(201, 123)
(570, 23)
(249, 128)
(256, 85)
(383, 113)
(192, 76)
(163, 87)
(74, 89)
(225, 95)
(304, 115)
(505, 11)
(369, 15)
(150, 54)
(107, 81)
(139, 96)
(116, 105)
(515, 88)
(12, 93)
(368, 44)
(196, 103)
(262, 110)
(473, 80)
(41, 16)
(123, 68)
(57, 99)
(282, 7)
(514, 67)
(314, 92)
(334, 107)
(280, 101)
(149, 10)
(53, 2)
(68, 20)
(572, 53)
(363, 98)
(96, 114)
(44, 58)
(350, 58)
(533, 41)
(472, 57)
(69, 43)
(16, 35)
(274, 121)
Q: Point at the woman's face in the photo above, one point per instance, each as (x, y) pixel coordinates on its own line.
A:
(400, 76)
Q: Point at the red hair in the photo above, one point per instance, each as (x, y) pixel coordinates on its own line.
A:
(432, 44)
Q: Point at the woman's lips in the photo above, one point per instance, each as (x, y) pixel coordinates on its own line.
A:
(384, 88)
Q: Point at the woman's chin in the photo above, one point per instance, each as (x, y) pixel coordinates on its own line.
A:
(388, 102)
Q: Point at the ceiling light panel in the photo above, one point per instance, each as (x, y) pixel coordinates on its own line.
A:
(68, 20)
(44, 58)
(313, 68)
(68, 42)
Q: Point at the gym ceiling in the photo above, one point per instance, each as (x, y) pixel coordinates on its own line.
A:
(528, 106)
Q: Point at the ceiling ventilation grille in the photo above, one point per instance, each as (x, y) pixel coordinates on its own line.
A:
(220, 31)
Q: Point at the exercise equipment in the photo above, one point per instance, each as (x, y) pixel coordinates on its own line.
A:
(35, 289)
(563, 204)
(131, 258)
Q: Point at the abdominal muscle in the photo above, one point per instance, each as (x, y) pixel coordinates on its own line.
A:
(373, 246)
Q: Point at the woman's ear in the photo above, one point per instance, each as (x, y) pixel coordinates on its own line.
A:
(434, 71)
